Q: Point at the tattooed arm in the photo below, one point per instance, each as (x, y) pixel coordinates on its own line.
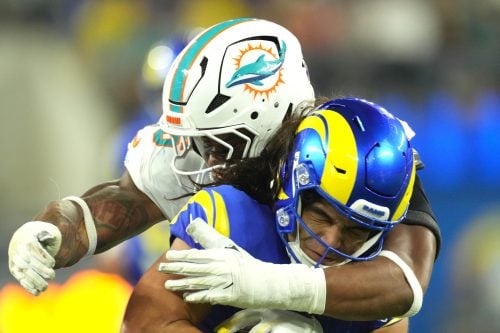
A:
(119, 209)
(57, 237)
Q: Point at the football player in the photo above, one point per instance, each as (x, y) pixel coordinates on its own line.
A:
(346, 181)
(240, 77)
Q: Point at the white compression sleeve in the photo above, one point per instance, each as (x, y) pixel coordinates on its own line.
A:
(412, 281)
(89, 223)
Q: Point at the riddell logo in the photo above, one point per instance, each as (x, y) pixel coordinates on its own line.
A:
(373, 210)
(259, 69)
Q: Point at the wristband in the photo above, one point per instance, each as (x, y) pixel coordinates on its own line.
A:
(89, 223)
(412, 281)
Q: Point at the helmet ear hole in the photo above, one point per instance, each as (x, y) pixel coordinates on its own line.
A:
(254, 115)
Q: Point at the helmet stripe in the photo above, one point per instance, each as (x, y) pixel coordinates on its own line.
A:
(405, 200)
(204, 199)
(317, 123)
(221, 215)
(343, 154)
(190, 54)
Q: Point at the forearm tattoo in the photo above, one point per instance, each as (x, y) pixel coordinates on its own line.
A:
(118, 217)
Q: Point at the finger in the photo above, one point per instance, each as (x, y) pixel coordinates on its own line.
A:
(35, 280)
(46, 237)
(187, 268)
(218, 296)
(39, 253)
(27, 277)
(32, 286)
(207, 236)
(45, 272)
(196, 283)
(194, 255)
(28, 286)
(24, 262)
(202, 296)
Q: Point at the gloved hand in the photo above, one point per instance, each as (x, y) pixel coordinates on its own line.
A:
(32, 249)
(269, 321)
(230, 276)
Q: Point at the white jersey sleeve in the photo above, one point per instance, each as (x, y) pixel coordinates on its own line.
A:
(148, 161)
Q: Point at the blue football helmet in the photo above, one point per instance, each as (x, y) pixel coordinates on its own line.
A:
(357, 156)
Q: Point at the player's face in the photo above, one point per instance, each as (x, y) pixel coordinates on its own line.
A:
(333, 228)
(214, 153)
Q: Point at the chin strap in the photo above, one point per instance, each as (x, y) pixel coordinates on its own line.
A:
(412, 281)
(89, 223)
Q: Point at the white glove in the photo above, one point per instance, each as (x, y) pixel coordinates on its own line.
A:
(267, 321)
(230, 276)
(31, 254)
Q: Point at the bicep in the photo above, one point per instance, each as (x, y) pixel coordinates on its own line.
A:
(152, 307)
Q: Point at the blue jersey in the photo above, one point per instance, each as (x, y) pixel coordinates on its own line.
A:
(251, 225)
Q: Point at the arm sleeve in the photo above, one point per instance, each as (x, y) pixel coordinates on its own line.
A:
(420, 213)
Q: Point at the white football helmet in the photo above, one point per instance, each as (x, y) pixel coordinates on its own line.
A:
(241, 76)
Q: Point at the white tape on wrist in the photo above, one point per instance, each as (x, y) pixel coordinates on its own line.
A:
(412, 281)
(305, 289)
(89, 223)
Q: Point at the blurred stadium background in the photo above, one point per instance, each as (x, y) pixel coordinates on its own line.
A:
(70, 81)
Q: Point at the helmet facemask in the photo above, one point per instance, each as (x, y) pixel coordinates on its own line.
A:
(216, 150)
(308, 191)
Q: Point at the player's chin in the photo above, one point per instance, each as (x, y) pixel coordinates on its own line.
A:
(331, 258)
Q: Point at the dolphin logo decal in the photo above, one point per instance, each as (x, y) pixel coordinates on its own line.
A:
(258, 70)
